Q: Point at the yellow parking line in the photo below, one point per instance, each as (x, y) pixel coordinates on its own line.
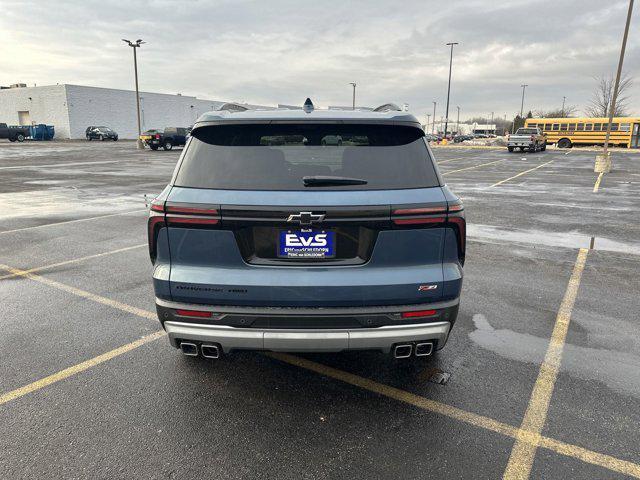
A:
(524, 449)
(80, 367)
(471, 168)
(480, 421)
(596, 187)
(73, 221)
(451, 160)
(81, 293)
(74, 260)
(526, 437)
(520, 174)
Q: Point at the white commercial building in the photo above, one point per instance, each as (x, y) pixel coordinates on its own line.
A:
(72, 108)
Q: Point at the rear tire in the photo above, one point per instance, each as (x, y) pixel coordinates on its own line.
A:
(168, 145)
(533, 148)
(89, 137)
(544, 147)
(20, 137)
(564, 143)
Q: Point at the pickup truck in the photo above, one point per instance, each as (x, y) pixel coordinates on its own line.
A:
(14, 133)
(167, 139)
(530, 138)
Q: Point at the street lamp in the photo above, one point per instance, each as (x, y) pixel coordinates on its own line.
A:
(446, 120)
(354, 95)
(136, 45)
(606, 167)
(458, 122)
(434, 117)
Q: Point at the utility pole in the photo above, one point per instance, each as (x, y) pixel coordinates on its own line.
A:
(612, 107)
(434, 117)
(428, 117)
(354, 95)
(136, 45)
(494, 130)
(446, 120)
(522, 103)
(563, 100)
(458, 122)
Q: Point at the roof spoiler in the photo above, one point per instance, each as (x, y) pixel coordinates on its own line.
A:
(233, 107)
(388, 107)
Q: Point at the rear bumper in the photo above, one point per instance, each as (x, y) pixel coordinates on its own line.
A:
(308, 339)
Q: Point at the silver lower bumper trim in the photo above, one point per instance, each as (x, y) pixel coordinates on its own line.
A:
(307, 340)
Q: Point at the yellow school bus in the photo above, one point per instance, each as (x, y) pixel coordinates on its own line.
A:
(565, 132)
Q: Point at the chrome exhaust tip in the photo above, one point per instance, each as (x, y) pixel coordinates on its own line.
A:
(189, 349)
(210, 351)
(424, 349)
(402, 351)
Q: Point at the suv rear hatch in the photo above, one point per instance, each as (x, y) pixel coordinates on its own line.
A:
(316, 215)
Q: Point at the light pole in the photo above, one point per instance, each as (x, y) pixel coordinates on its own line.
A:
(353, 107)
(458, 122)
(522, 103)
(428, 117)
(494, 130)
(446, 120)
(135, 70)
(434, 117)
(612, 107)
(564, 99)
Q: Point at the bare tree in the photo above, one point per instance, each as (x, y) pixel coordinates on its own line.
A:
(569, 111)
(601, 99)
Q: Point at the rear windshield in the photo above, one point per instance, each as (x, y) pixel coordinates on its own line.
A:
(278, 157)
(526, 131)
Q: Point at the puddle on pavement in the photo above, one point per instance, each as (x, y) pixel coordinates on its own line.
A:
(617, 368)
(549, 239)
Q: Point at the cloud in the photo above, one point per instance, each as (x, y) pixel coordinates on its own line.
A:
(283, 51)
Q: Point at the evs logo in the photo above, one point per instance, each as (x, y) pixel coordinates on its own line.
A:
(306, 244)
(318, 240)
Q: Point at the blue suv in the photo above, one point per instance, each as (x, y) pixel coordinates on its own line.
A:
(274, 235)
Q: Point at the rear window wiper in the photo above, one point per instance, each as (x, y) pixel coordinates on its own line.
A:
(326, 180)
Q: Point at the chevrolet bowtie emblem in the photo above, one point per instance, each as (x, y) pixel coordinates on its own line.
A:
(305, 218)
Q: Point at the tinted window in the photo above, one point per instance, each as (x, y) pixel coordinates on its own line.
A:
(277, 157)
(527, 131)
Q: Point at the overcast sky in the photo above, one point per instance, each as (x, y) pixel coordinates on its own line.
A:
(270, 52)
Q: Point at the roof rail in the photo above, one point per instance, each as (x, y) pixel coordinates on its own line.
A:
(233, 107)
(388, 107)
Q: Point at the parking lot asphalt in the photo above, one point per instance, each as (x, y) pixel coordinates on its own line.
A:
(543, 360)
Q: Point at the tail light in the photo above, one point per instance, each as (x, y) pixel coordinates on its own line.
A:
(420, 215)
(194, 313)
(157, 136)
(155, 223)
(451, 216)
(419, 313)
(161, 215)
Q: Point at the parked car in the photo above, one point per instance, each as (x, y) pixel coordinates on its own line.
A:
(167, 139)
(303, 246)
(13, 132)
(100, 133)
(462, 138)
(530, 138)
